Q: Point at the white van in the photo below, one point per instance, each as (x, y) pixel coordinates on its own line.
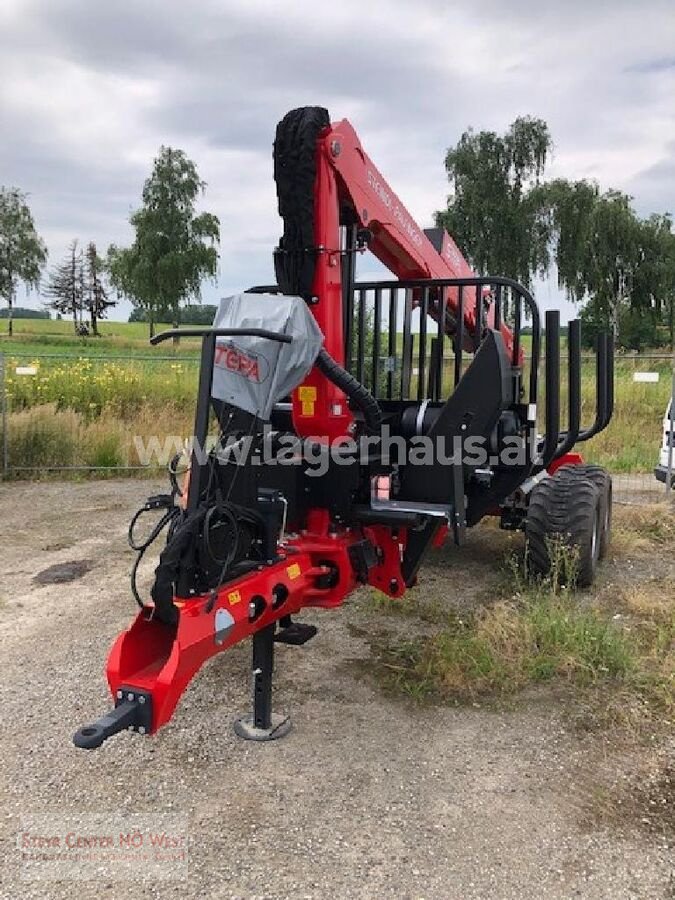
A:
(661, 471)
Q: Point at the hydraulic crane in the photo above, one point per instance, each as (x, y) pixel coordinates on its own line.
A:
(301, 500)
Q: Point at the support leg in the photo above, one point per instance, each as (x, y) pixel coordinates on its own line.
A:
(263, 724)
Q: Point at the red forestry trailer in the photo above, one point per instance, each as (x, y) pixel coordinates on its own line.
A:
(345, 449)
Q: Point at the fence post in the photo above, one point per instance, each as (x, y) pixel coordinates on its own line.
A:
(3, 401)
(671, 434)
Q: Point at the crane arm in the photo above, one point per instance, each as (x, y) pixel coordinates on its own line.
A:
(397, 241)
(326, 180)
(405, 249)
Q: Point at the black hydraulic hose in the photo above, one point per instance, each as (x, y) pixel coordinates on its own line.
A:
(170, 517)
(361, 396)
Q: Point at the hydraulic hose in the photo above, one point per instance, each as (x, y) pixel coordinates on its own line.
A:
(360, 395)
(170, 518)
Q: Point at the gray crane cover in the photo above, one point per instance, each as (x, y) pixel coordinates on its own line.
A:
(253, 373)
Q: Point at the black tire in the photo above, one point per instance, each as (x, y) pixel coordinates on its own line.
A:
(603, 480)
(568, 510)
(294, 173)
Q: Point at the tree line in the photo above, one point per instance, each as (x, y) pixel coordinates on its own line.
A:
(173, 252)
(508, 220)
(505, 216)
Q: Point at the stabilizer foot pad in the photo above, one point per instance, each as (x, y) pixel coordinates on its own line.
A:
(296, 634)
(244, 727)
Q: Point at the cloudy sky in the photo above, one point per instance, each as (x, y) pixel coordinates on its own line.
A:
(90, 91)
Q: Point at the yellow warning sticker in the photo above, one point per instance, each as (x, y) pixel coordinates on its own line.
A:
(307, 397)
(234, 597)
(294, 571)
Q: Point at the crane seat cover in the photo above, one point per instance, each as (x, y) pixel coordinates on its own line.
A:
(254, 373)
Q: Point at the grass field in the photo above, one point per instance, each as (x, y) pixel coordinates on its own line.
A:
(89, 397)
(36, 337)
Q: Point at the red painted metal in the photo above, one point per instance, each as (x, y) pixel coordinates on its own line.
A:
(320, 409)
(397, 241)
(569, 459)
(161, 660)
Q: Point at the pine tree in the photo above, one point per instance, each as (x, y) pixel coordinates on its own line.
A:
(96, 298)
(65, 287)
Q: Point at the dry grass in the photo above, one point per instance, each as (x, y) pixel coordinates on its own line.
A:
(537, 634)
(652, 601)
(617, 644)
(45, 436)
(643, 529)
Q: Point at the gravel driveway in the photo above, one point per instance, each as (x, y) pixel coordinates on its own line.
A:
(369, 796)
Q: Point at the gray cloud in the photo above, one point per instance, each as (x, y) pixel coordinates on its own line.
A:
(655, 65)
(90, 92)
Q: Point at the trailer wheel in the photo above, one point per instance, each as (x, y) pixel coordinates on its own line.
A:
(568, 510)
(603, 480)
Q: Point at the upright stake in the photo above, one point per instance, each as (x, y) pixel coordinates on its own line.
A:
(199, 463)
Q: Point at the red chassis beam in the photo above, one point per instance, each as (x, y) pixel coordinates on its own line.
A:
(160, 660)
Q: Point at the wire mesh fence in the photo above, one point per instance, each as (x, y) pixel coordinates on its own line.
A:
(125, 414)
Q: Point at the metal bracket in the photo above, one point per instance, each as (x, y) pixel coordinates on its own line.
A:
(133, 711)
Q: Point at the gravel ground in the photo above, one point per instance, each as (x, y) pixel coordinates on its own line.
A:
(369, 796)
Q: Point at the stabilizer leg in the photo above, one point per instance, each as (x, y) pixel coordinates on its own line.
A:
(263, 724)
